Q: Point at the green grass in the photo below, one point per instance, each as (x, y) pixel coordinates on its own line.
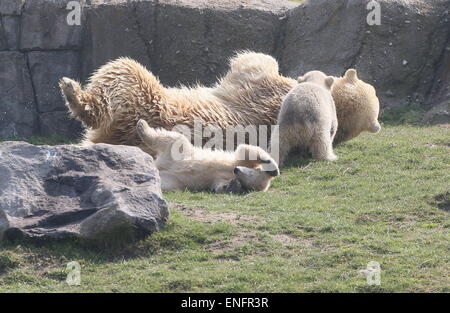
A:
(412, 115)
(39, 140)
(386, 199)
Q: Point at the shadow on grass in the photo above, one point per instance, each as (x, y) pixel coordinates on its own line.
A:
(179, 233)
(77, 249)
(296, 159)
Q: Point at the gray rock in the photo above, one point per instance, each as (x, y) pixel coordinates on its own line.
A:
(277, 6)
(440, 114)
(17, 107)
(417, 74)
(439, 96)
(47, 68)
(181, 39)
(323, 35)
(100, 192)
(3, 40)
(44, 26)
(114, 31)
(233, 30)
(332, 36)
(206, 36)
(11, 7)
(9, 32)
(4, 224)
(60, 123)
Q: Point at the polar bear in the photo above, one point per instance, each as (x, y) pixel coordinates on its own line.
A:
(183, 166)
(307, 119)
(357, 106)
(123, 91)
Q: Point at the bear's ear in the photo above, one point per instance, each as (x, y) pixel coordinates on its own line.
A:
(329, 81)
(301, 79)
(351, 76)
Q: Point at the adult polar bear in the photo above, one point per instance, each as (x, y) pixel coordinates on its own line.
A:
(122, 92)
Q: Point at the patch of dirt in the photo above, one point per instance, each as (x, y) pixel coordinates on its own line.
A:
(442, 201)
(202, 215)
(403, 221)
(244, 237)
(219, 247)
(445, 126)
(234, 218)
(286, 239)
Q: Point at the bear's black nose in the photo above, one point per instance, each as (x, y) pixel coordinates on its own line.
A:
(236, 170)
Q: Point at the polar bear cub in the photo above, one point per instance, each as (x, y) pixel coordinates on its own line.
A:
(307, 118)
(183, 166)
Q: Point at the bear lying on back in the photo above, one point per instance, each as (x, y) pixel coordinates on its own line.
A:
(183, 166)
(307, 118)
(122, 92)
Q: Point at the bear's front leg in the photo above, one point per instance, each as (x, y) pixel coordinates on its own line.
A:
(322, 148)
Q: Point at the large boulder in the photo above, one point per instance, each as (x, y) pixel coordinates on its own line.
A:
(101, 192)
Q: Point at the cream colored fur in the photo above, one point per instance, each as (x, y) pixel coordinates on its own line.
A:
(184, 166)
(357, 107)
(307, 120)
(122, 92)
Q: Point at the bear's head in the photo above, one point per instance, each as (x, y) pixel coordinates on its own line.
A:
(254, 179)
(357, 106)
(254, 169)
(317, 77)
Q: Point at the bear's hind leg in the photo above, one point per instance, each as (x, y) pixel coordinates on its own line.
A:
(281, 141)
(83, 106)
(322, 148)
(161, 140)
